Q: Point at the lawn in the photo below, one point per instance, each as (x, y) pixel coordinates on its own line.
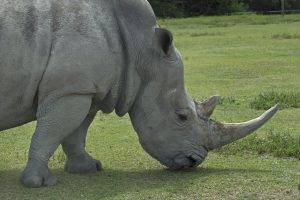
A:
(251, 61)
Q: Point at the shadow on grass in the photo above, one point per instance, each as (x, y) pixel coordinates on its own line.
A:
(111, 183)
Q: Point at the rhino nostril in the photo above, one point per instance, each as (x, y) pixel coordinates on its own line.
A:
(193, 161)
(98, 166)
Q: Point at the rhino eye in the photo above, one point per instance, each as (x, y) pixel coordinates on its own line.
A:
(182, 117)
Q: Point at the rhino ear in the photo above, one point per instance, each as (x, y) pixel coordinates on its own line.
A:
(164, 39)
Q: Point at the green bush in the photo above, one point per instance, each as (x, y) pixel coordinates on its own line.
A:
(213, 7)
(276, 144)
(167, 8)
(266, 100)
(286, 36)
(180, 8)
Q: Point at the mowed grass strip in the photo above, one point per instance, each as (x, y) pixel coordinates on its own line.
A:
(237, 57)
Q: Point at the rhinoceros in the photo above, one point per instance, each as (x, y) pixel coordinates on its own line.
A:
(62, 61)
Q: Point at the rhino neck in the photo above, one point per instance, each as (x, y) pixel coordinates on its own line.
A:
(135, 20)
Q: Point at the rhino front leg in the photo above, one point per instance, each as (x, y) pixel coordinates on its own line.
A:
(56, 119)
(79, 161)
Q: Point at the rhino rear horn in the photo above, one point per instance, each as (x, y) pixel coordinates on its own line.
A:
(225, 133)
(206, 108)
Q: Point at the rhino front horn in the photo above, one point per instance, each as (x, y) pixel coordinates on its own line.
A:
(225, 133)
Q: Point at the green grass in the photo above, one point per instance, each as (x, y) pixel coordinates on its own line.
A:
(240, 58)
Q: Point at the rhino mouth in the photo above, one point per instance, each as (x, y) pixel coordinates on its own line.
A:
(186, 162)
(183, 162)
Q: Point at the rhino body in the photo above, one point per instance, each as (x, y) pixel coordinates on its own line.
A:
(57, 48)
(61, 61)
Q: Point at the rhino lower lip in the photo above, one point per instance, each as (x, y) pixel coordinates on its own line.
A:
(168, 163)
(189, 162)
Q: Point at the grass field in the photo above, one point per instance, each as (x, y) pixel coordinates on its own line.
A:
(252, 62)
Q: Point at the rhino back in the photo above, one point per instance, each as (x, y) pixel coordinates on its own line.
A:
(54, 45)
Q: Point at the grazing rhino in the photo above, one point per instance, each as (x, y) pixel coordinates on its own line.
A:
(61, 61)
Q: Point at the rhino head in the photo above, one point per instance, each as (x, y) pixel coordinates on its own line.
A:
(172, 127)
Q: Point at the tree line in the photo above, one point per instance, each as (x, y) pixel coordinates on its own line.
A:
(182, 8)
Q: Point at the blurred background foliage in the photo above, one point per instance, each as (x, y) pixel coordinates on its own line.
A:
(186, 8)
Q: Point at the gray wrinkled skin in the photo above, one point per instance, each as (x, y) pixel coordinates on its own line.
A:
(61, 61)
